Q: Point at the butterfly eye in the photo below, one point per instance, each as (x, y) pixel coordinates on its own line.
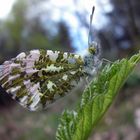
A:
(92, 50)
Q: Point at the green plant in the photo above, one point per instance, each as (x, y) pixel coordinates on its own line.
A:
(96, 99)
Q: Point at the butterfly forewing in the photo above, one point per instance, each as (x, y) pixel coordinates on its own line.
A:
(38, 77)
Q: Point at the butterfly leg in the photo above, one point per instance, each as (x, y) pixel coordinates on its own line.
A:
(88, 84)
(106, 61)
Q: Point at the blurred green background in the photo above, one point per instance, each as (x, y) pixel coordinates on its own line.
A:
(63, 25)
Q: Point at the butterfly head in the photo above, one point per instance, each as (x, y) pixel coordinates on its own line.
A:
(92, 59)
(93, 48)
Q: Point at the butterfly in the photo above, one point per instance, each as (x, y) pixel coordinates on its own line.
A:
(37, 78)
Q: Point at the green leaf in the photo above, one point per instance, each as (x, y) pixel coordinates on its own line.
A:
(96, 99)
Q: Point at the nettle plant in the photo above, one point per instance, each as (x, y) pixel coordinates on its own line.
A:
(96, 99)
(37, 78)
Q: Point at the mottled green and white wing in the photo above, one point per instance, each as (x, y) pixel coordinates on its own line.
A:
(37, 78)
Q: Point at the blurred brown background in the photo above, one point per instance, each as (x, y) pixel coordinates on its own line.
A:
(63, 25)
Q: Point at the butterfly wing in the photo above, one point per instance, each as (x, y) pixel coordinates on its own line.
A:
(38, 77)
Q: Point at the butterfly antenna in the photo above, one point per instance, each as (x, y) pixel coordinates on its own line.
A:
(90, 25)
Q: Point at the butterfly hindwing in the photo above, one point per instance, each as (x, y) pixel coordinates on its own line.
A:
(38, 77)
